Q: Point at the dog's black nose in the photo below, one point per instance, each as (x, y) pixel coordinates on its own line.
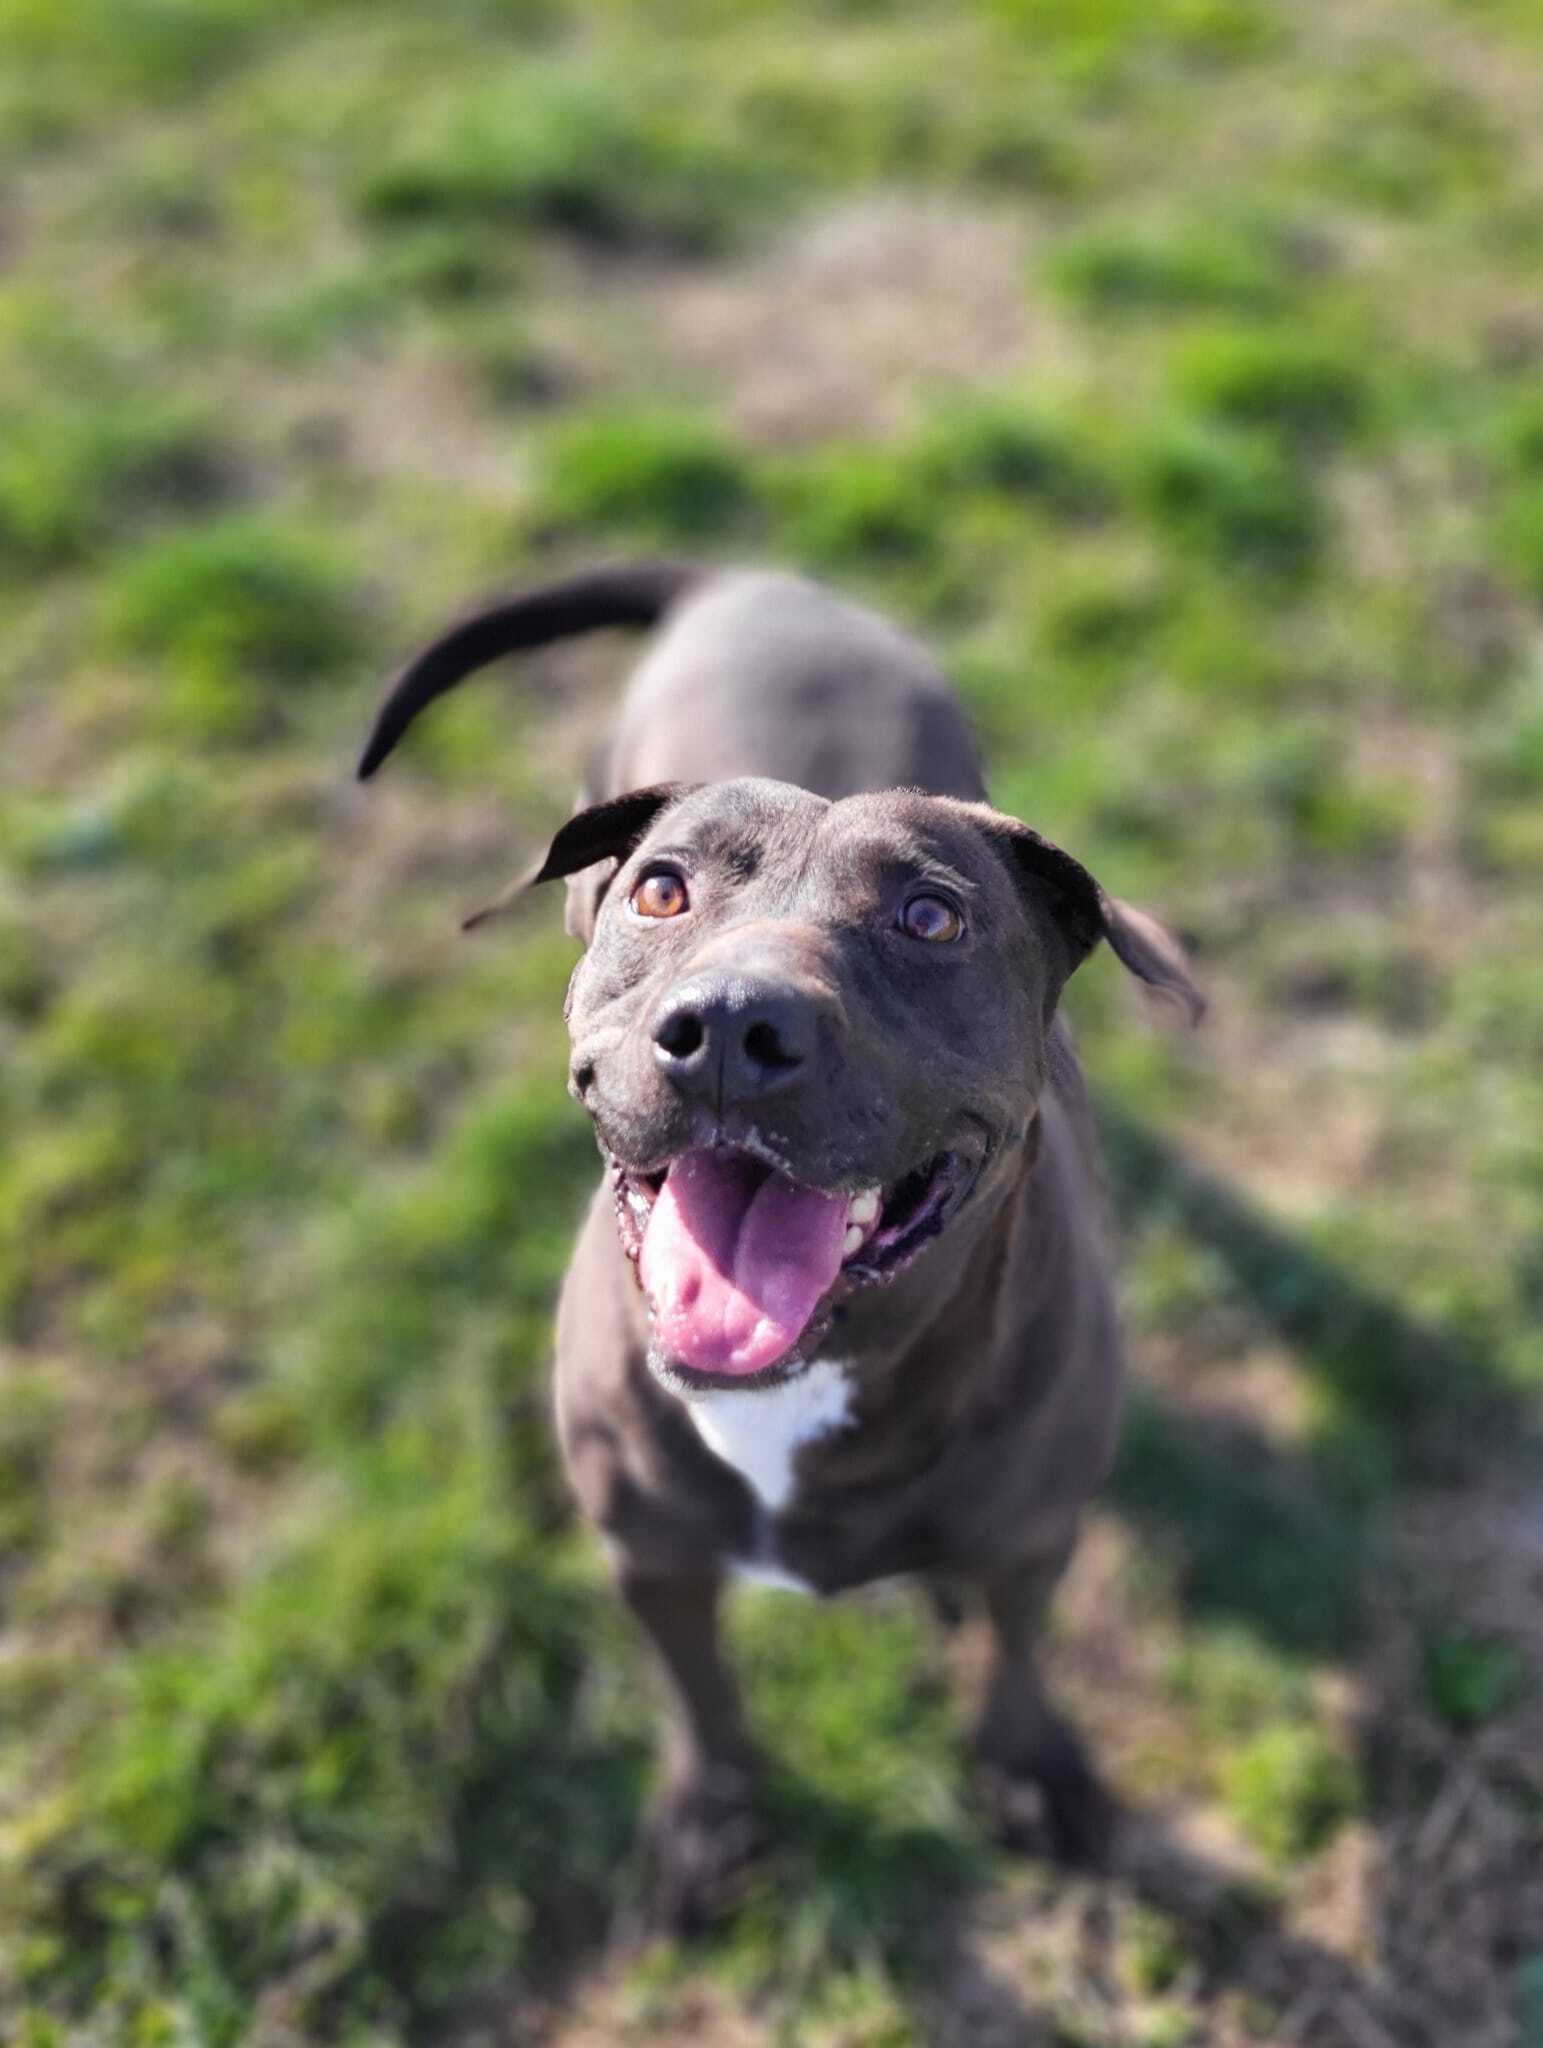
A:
(729, 1040)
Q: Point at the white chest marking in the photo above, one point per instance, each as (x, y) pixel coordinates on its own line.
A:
(761, 1434)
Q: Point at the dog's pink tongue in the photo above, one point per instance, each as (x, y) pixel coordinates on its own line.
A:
(734, 1260)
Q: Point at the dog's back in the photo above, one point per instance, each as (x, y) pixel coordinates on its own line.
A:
(751, 672)
(759, 673)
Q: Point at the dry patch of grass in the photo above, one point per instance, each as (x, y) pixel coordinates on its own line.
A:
(846, 325)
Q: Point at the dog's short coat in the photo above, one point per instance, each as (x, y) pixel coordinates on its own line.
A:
(841, 1309)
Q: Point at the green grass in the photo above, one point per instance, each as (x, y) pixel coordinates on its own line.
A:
(74, 479)
(1011, 450)
(316, 1718)
(237, 617)
(1115, 272)
(566, 153)
(231, 597)
(1234, 497)
(1471, 1679)
(851, 508)
(1291, 1788)
(654, 473)
(1419, 143)
(1308, 391)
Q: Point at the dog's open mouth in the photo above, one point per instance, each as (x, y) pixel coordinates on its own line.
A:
(738, 1260)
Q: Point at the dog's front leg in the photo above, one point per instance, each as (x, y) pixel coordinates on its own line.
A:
(1035, 1777)
(705, 1828)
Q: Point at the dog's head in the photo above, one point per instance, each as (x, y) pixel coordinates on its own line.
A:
(807, 1031)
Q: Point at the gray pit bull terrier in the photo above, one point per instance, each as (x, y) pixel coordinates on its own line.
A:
(841, 1307)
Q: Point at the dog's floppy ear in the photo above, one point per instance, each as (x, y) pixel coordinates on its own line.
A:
(1059, 885)
(1151, 951)
(1083, 914)
(603, 832)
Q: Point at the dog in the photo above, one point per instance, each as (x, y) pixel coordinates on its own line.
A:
(841, 1309)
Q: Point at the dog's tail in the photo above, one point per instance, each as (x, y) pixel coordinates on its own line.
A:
(612, 594)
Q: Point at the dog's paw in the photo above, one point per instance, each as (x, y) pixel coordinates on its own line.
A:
(705, 1837)
(1049, 1802)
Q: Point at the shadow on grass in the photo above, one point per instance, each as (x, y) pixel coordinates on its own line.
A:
(1236, 1941)
(855, 1905)
(1273, 1535)
(1268, 1535)
(1262, 1543)
(852, 1910)
(1387, 1367)
(533, 1845)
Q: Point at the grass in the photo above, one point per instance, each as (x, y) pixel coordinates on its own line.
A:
(1471, 1679)
(568, 154)
(1001, 446)
(1307, 391)
(1291, 1789)
(75, 479)
(1118, 273)
(669, 476)
(1234, 497)
(238, 616)
(316, 1719)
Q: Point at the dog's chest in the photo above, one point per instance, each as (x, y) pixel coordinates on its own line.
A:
(761, 1436)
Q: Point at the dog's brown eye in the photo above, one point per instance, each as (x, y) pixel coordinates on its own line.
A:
(931, 917)
(662, 894)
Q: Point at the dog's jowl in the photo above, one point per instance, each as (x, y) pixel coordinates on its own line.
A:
(841, 1307)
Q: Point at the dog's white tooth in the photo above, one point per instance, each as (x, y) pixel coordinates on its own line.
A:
(864, 1208)
(852, 1240)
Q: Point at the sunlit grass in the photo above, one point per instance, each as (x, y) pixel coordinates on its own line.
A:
(315, 1712)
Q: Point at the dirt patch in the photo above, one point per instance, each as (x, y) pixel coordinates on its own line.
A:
(843, 328)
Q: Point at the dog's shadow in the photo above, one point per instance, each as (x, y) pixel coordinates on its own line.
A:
(1268, 1536)
(1382, 1364)
(960, 1937)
